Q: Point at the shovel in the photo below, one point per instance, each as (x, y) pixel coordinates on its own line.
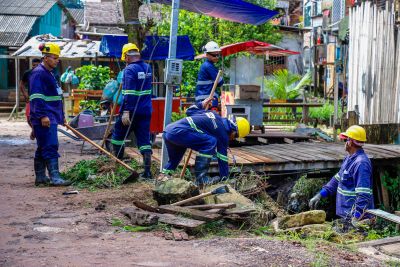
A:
(217, 191)
(134, 174)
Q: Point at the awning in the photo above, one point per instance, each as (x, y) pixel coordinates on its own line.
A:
(155, 47)
(254, 47)
(233, 10)
(69, 48)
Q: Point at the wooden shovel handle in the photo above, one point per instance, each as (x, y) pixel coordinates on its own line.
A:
(99, 148)
(179, 203)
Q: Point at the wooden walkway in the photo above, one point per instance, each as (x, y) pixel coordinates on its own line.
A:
(301, 156)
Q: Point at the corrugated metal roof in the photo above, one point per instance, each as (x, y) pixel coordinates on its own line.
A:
(26, 7)
(15, 29)
(69, 48)
(77, 14)
(101, 13)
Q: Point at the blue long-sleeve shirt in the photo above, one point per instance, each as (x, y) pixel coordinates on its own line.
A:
(205, 80)
(45, 97)
(137, 88)
(352, 186)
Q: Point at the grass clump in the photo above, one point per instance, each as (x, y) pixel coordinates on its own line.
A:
(97, 173)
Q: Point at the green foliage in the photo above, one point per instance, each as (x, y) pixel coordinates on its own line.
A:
(93, 105)
(392, 184)
(177, 116)
(286, 85)
(130, 228)
(92, 77)
(97, 173)
(307, 187)
(322, 113)
(202, 29)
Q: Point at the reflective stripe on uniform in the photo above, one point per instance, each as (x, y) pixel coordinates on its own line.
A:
(204, 155)
(346, 192)
(364, 190)
(337, 177)
(136, 92)
(117, 142)
(193, 125)
(222, 157)
(45, 98)
(204, 82)
(145, 147)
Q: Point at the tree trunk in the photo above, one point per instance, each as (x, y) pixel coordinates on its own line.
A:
(133, 27)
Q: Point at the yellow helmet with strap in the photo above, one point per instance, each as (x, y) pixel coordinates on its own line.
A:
(50, 48)
(126, 48)
(355, 132)
(243, 126)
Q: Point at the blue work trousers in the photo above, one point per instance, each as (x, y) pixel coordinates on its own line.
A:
(140, 125)
(47, 142)
(177, 140)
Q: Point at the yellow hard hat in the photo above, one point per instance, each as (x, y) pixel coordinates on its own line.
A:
(243, 126)
(355, 132)
(127, 47)
(50, 48)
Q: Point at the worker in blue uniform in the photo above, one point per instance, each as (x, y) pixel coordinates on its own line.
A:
(207, 75)
(46, 113)
(208, 134)
(135, 113)
(352, 185)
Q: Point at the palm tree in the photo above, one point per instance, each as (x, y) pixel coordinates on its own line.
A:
(286, 85)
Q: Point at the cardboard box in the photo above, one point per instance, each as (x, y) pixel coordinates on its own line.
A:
(247, 91)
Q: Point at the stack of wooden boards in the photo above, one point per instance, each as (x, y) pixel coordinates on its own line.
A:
(187, 217)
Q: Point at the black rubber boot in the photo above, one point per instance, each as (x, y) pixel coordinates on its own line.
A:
(40, 172)
(146, 175)
(56, 180)
(119, 151)
(201, 166)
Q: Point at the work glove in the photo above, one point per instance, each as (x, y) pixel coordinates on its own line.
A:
(314, 201)
(125, 118)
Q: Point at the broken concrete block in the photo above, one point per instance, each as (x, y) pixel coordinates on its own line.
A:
(300, 219)
(174, 190)
(140, 217)
(233, 196)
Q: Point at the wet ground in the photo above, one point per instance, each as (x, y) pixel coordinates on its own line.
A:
(42, 227)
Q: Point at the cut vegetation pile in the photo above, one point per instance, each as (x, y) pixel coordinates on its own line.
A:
(98, 173)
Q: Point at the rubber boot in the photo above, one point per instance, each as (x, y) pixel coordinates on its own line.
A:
(52, 167)
(201, 166)
(40, 172)
(146, 175)
(119, 151)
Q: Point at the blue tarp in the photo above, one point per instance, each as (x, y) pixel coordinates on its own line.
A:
(155, 47)
(233, 10)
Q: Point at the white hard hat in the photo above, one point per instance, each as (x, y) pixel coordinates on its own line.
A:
(211, 47)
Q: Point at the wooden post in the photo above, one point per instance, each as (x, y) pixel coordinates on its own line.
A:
(353, 118)
(385, 192)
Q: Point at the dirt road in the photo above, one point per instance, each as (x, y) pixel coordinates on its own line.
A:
(41, 227)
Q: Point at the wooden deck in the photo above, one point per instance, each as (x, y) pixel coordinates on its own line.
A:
(301, 156)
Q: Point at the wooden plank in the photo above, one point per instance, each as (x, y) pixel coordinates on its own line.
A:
(261, 158)
(179, 221)
(163, 218)
(322, 151)
(385, 215)
(195, 214)
(265, 150)
(256, 153)
(144, 206)
(325, 155)
(384, 150)
(239, 211)
(288, 141)
(245, 155)
(212, 206)
(284, 149)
